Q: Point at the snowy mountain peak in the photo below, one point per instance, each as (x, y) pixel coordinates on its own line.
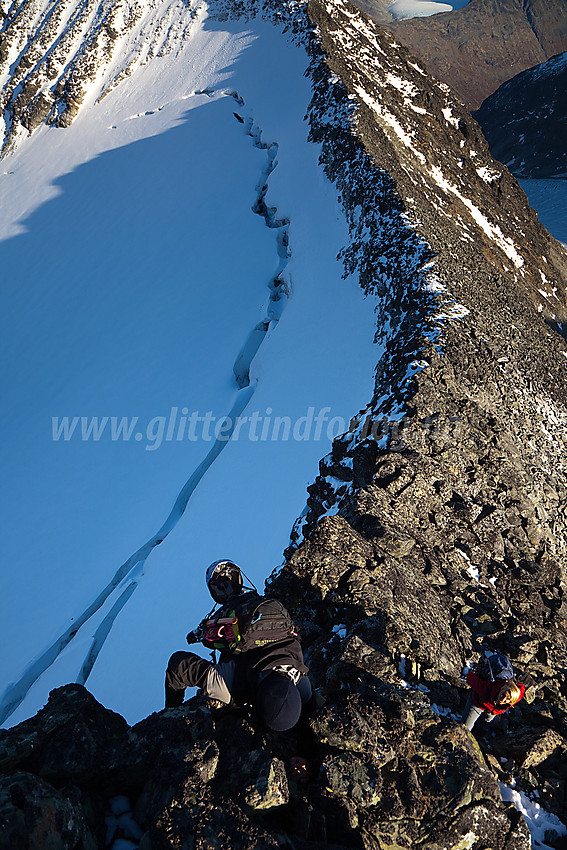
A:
(59, 56)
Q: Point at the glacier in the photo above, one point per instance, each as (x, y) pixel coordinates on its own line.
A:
(135, 272)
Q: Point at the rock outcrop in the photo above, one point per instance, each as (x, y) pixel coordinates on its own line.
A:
(435, 530)
(524, 121)
(480, 46)
(398, 776)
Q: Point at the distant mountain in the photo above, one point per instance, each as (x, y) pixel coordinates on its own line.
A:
(524, 121)
(481, 46)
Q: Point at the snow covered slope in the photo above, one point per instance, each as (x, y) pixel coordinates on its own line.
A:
(169, 258)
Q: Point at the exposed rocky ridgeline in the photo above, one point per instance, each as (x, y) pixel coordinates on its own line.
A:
(480, 46)
(435, 530)
(416, 155)
(441, 534)
(524, 120)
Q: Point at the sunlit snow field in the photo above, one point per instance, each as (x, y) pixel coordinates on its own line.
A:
(133, 271)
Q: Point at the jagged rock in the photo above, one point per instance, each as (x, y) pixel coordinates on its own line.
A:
(484, 824)
(395, 546)
(179, 773)
(37, 111)
(387, 763)
(532, 747)
(34, 815)
(64, 741)
(343, 551)
(174, 742)
(352, 779)
(347, 725)
(270, 787)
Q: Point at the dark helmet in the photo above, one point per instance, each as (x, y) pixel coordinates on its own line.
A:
(278, 702)
(224, 580)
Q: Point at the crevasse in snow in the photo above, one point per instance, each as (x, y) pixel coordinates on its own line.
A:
(149, 275)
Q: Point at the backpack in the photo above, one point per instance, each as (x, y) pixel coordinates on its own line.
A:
(257, 623)
(496, 667)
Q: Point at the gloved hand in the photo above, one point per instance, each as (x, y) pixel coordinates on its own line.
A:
(196, 636)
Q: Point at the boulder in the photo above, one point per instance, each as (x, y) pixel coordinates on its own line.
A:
(36, 816)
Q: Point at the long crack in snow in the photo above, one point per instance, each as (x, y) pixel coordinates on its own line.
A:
(128, 576)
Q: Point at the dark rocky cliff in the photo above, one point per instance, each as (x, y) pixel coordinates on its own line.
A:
(479, 47)
(435, 529)
(525, 120)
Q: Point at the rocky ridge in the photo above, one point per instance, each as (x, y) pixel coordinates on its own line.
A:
(435, 530)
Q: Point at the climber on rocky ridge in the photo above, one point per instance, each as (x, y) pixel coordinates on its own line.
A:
(493, 689)
(261, 661)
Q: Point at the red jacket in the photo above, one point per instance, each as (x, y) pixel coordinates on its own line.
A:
(485, 693)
